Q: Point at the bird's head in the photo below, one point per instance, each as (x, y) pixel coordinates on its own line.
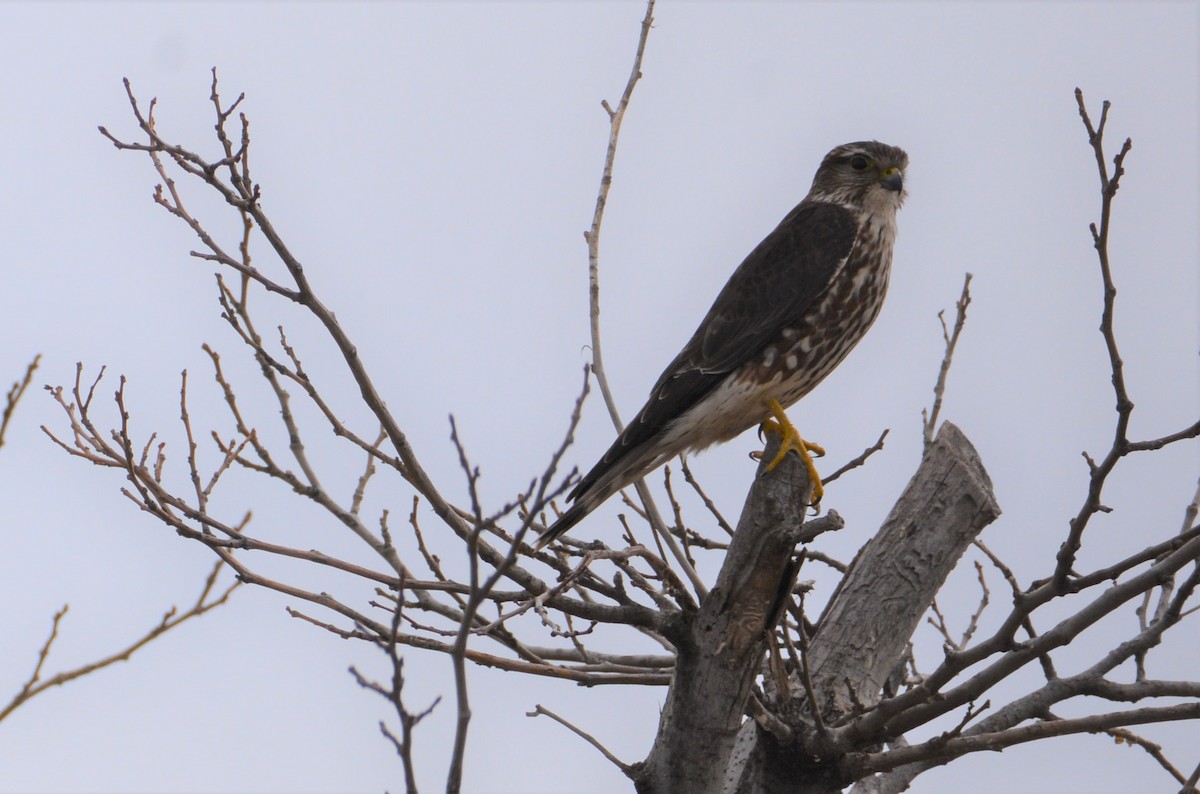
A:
(867, 174)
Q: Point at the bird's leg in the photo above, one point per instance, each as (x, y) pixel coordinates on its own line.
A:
(790, 440)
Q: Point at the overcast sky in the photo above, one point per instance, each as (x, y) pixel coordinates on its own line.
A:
(434, 166)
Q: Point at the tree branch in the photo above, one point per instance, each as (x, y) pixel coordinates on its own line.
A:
(719, 648)
(35, 686)
(14, 395)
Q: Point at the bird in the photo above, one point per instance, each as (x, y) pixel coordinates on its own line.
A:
(789, 314)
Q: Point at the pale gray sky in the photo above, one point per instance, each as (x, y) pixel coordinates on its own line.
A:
(434, 166)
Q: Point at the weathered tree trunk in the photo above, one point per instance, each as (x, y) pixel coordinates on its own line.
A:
(719, 648)
(704, 743)
(865, 631)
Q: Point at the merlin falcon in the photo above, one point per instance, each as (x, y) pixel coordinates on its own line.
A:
(787, 317)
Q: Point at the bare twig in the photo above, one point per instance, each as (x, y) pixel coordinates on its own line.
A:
(15, 392)
(1124, 406)
(1124, 736)
(1189, 787)
(1027, 622)
(540, 492)
(35, 685)
(984, 598)
(708, 503)
(539, 711)
(394, 695)
(858, 461)
(814, 708)
(930, 419)
(592, 235)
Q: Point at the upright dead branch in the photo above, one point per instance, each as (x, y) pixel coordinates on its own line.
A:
(592, 236)
(719, 648)
(866, 629)
(950, 337)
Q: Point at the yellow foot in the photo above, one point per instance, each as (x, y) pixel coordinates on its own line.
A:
(790, 441)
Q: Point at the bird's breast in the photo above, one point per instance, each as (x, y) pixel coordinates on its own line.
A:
(803, 351)
(807, 349)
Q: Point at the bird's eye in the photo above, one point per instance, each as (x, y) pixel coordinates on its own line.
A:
(859, 163)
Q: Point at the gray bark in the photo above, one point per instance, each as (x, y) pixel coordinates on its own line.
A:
(704, 744)
(720, 647)
(865, 631)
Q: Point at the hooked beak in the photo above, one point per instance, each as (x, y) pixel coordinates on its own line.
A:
(893, 179)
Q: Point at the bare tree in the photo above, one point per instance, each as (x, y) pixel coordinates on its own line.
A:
(761, 696)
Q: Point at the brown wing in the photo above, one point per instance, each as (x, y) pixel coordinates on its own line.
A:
(775, 285)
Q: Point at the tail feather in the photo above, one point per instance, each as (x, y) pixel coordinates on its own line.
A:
(604, 480)
(575, 513)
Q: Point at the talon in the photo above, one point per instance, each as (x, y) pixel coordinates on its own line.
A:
(790, 441)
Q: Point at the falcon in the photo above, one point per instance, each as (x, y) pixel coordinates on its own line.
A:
(786, 318)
